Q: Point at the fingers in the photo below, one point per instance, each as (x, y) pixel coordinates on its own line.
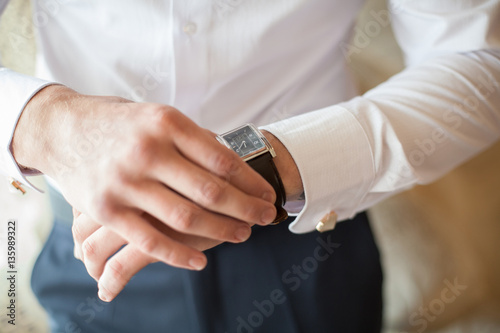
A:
(112, 265)
(186, 217)
(82, 227)
(197, 242)
(94, 244)
(177, 173)
(213, 156)
(119, 270)
(200, 146)
(134, 229)
(213, 193)
(97, 248)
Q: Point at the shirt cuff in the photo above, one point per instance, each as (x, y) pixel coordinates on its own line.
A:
(334, 158)
(16, 90)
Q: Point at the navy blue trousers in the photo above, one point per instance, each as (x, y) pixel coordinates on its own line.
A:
(275, 282)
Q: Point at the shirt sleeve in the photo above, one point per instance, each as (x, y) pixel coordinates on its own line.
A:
(15, 92)
(440, 111)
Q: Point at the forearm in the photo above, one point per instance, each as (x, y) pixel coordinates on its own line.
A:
(354, 154)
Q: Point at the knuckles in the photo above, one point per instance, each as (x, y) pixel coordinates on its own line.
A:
(104, 206)
(165, 119)
(114, 268)
(148, 244)
(88, 250)
(172, 257)
(142, 152)
(223, 164)
(211, 193)
(77, 233)
(184, 217)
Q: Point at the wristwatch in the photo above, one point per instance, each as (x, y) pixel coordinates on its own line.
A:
(252, 146)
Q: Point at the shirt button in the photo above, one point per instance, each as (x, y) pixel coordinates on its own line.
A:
(190, 28)
(327, 222)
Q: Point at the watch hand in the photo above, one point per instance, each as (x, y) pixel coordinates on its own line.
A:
(242, 144)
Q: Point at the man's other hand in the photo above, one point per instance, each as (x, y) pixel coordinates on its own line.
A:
(111, 261)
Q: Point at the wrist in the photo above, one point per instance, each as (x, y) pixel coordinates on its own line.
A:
(38, 130)
(287, 168)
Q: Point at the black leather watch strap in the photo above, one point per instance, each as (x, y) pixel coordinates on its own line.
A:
(265, 166)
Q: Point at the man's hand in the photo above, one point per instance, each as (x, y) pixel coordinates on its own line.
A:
(112, 266)
(117, 161)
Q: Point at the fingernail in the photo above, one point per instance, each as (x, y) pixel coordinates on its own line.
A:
(197, 263)
(268, 216)
(268, 196)
(103, 295)
(242, 233)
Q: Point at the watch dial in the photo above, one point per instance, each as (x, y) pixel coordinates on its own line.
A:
(244, 141)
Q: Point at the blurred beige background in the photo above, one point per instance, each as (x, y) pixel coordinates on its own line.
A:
(431, 237)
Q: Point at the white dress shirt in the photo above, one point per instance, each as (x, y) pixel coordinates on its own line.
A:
(282, 65)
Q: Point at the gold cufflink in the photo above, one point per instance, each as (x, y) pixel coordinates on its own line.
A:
(327, 223)
(16, 186)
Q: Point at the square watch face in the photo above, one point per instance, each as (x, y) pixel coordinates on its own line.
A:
(244, 141)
